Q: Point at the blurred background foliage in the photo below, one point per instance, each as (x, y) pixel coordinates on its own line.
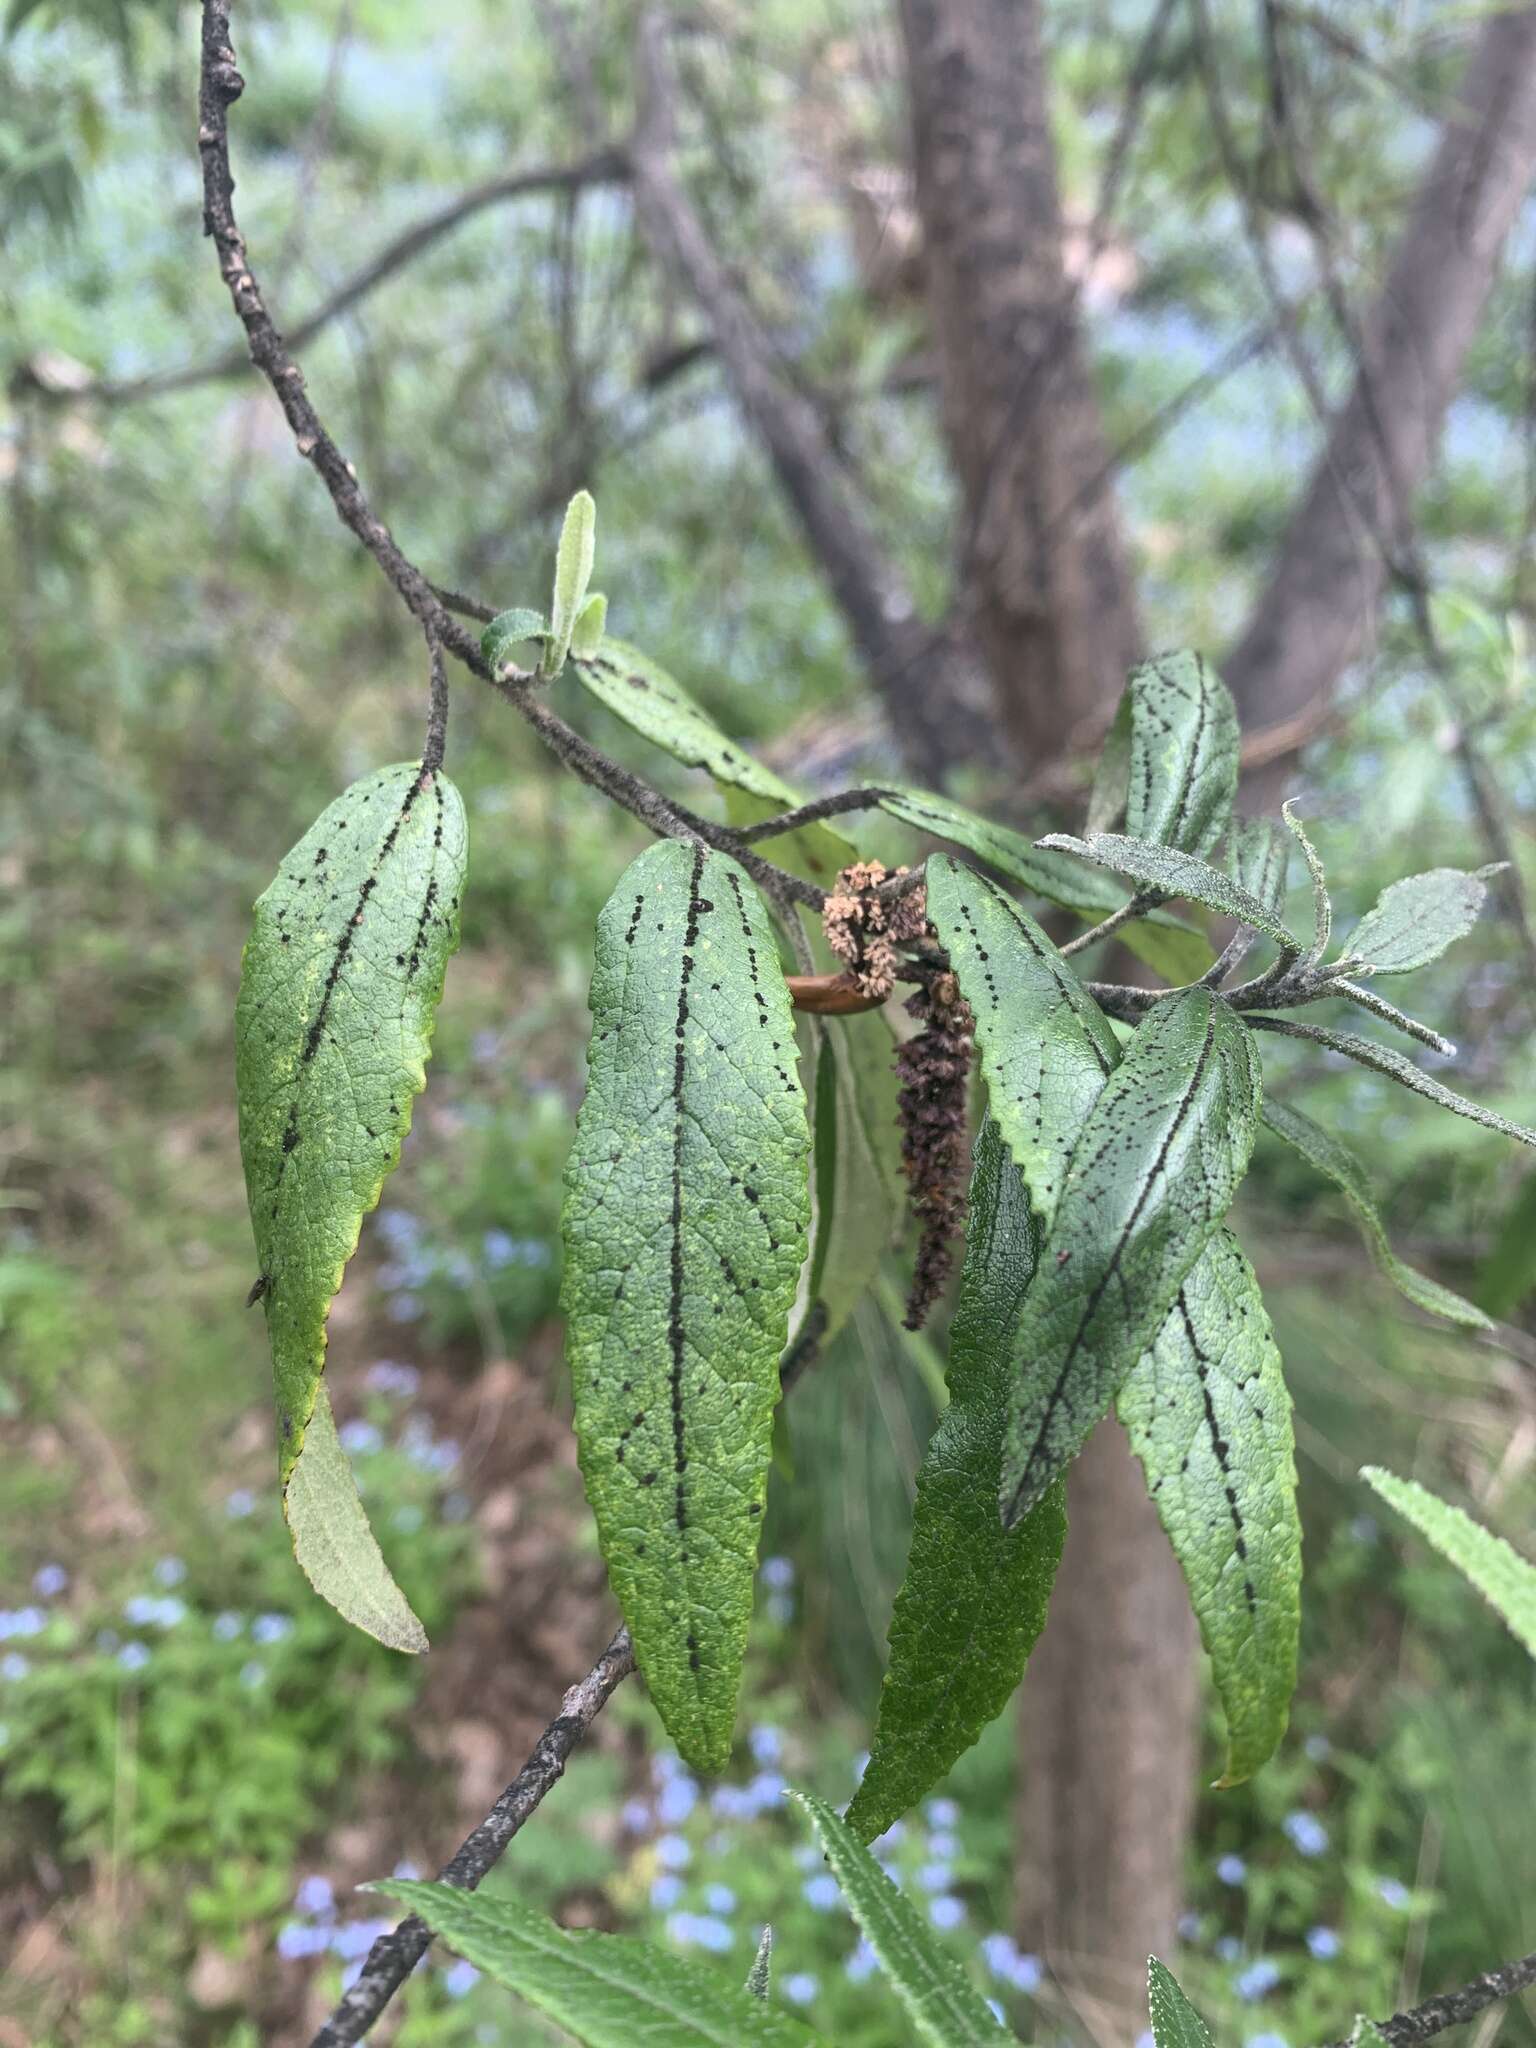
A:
(196, 1763)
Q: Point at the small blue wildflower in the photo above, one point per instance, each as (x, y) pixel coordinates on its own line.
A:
(132, 1656)
(821, 1891)
(1394, 1893)
(386, 1377)
(1027, 1974)
(676, 1800)
(1228, 1949)
(666, 1890)
(636, 1816)
(996, 2010)
(1231, 1870)
(891, 1871)
(253, 1674)
(359, 1438)
(673, 1852)
(1318, 1749)
(406, 1869)
(147, 1610)
(398, 1228)
(1189, 1927)
(13, 1666)
(666, 1764)
(732, 1802)
(1306, 1833)
(942, 1813)
(227, 1626)
(766, 1744)
(946, 1911)
(936, 1877)
(720, 1898)
(777, 1572)
(1000, 1952)
(49, 1580)
(1323, 1943)
(460, 1978)
(17, 1623)
(861, 1964)
(944, 1846)
(350, 1975)
(240, 1503)
(170, 1571)
(1261, 1976)
(405, 1308)
(890, 1838)
(780, 1609)
(1266, 2041)
(767, 1790)
(1146, 2039)
(460, 1269)
(700, 1930)
(315, 1896)
(271, 1628)
(807, 1856)
(295, 1941)
(357, 1937)
(499, 1247)
(800, 1987)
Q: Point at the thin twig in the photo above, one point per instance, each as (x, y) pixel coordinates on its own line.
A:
(1128, 913)
(1455, 2008)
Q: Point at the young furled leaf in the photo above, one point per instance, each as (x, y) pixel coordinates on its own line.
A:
(974, 1597)
(1506, 1580)
(1157, 1162)
(1167, 872)
(573, 572)
(1172, 948)
(685, 1229)
(591, 622)
(1045, 1045)
(1416, 919)
(1175, 2023)
(1172, 755)
(942, 2003)
(510, 630)
(1381, 1059)
(1322, 907)
(608, 1990)
(1209, 1417)
(339, 989)
(1324, 1151)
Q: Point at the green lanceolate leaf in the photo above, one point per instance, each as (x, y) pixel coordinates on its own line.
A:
(1173, 948)
(1381, 1059)
(1183, 753)
(609, 1990)
(1416, 919)
(856, 1179)
(1209, 1417)
(591, 624)
(1325, 1152)
(1506, 1580)
(1045, 1045)
(339, 988)
(1258, 855)
(657, 707)
(332, 1540)
(685, 1229)
(944, 2006)
(1158, 1160)
(974, 1597)
(1175, 2023)
(573, 572)
(1170, 873)
(1322, 906)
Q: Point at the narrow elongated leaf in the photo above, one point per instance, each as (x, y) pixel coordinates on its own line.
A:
(1183, 753)
(339, 989)
(1331, 1157)
(1171, 873)
(1174, 948)
(974, 1597)
(1416, 919)
(1258, 855)
(591, 624)
(573, 572)
(1506, 1580)
(1175, 2023)
(1322, 906)
(857, 1184)
(609, 1990)
(1045, 1045)
(1159, 1158)
(943, 2004)
(685, 1229)
(1210, 1419)
(1381, 1059)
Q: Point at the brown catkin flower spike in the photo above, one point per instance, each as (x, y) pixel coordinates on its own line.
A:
(864, 931)
(933, 1068)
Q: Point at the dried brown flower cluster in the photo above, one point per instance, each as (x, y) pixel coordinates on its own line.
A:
(864, 931)
(933, 1067)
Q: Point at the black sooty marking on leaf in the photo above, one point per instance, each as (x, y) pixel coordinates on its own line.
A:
(349, 929)
(1111, 1270)
(675, 1334)
(1221, 1448)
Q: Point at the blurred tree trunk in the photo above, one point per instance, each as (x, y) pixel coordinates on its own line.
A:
(1108, 1709)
